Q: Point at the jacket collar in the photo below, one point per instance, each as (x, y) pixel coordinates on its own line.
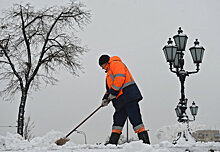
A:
(114, 58)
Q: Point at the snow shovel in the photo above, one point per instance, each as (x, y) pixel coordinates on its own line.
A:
(63, 140)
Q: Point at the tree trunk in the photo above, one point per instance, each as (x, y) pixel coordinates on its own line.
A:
(21, 113)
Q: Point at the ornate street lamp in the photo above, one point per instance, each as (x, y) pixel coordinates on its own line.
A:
(197, 52)
(175, 56)
(180, 40)
(194, 109)
(170, 51)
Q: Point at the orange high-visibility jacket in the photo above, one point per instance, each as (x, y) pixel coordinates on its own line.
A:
(119, 81)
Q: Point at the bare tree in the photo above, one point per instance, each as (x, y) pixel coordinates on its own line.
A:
(35, 44)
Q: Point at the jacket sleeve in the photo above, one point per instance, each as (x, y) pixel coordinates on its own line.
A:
(105, 96)
(118, 71)
(107, 91)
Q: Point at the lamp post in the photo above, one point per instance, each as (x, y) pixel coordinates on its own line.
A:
(175, 57)
(83, 133)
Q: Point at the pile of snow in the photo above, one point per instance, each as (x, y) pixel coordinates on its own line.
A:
(169, 133)
(15, 143)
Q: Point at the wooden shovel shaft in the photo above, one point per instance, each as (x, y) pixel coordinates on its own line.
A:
(83, 121)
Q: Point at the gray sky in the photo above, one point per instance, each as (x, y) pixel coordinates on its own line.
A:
(135, 30)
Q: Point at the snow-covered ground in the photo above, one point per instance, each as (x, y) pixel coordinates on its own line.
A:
(15, 143)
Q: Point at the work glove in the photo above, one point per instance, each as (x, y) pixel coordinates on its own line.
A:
(111, 97)
(105, 102)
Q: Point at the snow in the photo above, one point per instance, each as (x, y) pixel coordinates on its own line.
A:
(170, 132)
(15, 143)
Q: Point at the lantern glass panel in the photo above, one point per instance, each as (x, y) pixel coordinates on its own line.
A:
(167, 53)
(201, 52)
(180, 41)
(197, 54)
(170, 52)
(193, 109)
(193, 53)
(178, 111)
(177, 42)
(176, 61)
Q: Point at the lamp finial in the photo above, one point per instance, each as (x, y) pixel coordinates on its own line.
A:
(196, 42)
(180, 30)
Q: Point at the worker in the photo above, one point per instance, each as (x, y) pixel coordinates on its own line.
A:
(124, 94)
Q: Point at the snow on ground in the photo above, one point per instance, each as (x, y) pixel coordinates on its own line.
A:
(15, 143)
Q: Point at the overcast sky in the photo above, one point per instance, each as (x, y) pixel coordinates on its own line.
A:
(136, 31)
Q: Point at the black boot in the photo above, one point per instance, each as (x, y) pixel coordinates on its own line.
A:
(144, 136)
(113, 139)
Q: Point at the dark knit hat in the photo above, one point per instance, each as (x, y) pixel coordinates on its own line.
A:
(103, 59)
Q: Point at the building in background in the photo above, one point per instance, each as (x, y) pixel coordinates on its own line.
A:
(207, 135)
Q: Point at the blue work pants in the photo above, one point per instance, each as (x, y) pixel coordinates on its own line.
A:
(130, 110)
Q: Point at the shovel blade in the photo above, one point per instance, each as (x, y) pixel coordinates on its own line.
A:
(62, 141)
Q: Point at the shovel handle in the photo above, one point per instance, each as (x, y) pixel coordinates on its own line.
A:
(83, 121)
